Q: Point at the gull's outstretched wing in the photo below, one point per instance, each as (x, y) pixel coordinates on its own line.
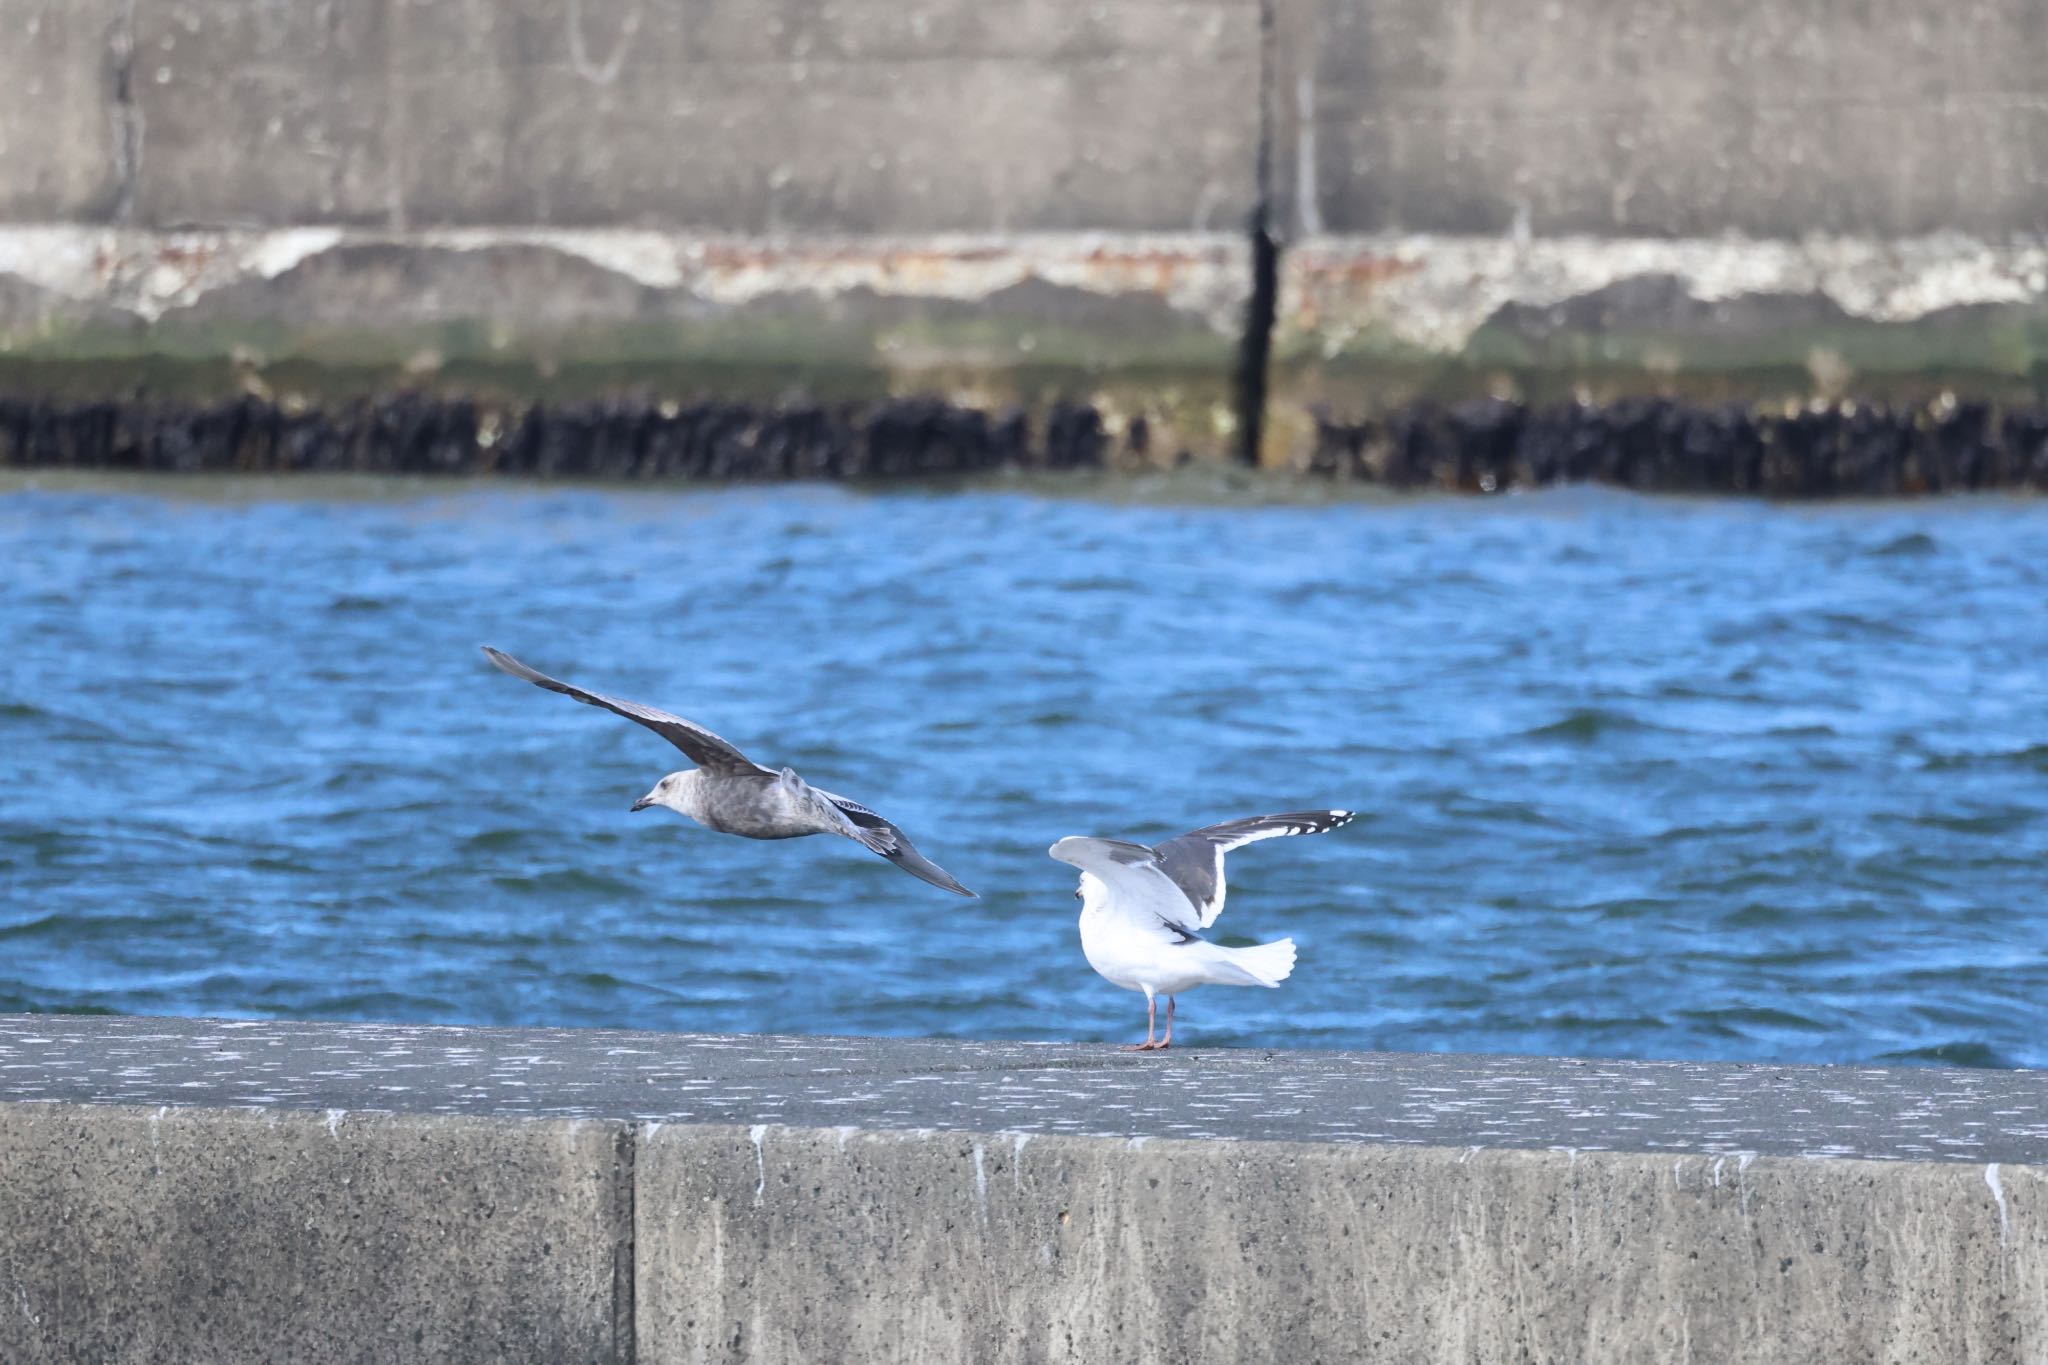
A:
(874, 832)
(698, 744)
(1195, 860)
(1139, 891)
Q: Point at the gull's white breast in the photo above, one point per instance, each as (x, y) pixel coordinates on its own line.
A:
(1133, 950)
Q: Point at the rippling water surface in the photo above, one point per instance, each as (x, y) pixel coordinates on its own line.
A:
(1638, 777)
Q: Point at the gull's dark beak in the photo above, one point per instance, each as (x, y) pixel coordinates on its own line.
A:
(643, 803)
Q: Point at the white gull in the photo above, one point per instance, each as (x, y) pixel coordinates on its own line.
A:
(1142, 910)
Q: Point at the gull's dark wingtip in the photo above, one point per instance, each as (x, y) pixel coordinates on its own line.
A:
(925, 870)
(945, 880)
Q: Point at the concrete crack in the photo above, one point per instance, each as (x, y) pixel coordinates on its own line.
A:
(1255, 351)
(127, 115)
(1255, 348)
(625, 1246)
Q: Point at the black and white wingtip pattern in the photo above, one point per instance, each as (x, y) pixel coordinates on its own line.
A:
(1195, 860)
(1279, 827)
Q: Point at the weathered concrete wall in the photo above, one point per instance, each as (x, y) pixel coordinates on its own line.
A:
(1589, 200)
(244, 1191)
(1610, 118)
(62, 151)
(804, 1244)
(713, 199)
(1661, 118)
(225, 1235)
(1138, 327)
(716, 116)
(1369, 326)
(1601, 198)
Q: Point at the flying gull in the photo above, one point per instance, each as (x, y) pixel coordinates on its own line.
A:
(1142, 910)
(729, 792)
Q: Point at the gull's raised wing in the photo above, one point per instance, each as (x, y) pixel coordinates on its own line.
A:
(698, 744)
(1138, 888)
(1195, 860)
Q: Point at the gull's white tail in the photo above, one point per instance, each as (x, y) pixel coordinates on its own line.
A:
(1267, 964)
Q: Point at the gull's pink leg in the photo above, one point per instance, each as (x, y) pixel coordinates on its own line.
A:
(1151, 1024)
(1167, 1041)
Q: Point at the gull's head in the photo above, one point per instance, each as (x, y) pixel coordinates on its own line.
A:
(1080, 851)
(666, 793)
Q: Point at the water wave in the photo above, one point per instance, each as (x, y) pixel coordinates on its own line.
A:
(1588, 723)
(1912, 545)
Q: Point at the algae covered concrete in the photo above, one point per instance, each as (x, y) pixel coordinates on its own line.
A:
(1603, 199)
(1142, 328)
(1368, 326)
(241, 1190)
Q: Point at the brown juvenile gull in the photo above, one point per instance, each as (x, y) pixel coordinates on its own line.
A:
(1142, 909)
(729, 792)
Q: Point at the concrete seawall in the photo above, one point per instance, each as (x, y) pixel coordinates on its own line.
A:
(177, 1189)
(1072, 202)
(705, 200)
(1742, 200)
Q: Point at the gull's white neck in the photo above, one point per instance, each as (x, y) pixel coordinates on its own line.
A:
(683, 793)
(1094, 895)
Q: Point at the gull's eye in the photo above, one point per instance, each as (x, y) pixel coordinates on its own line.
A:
(1077, 894)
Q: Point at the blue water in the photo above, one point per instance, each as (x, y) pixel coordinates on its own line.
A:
(1639, 777)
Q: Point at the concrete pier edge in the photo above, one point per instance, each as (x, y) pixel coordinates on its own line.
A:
(241, 1190)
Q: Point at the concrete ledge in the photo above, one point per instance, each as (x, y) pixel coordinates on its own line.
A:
(194, 1189)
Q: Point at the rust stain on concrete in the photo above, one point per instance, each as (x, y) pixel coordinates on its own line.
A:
(1325, 283)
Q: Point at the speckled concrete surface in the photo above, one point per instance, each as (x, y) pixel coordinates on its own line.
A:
(912, 1083)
